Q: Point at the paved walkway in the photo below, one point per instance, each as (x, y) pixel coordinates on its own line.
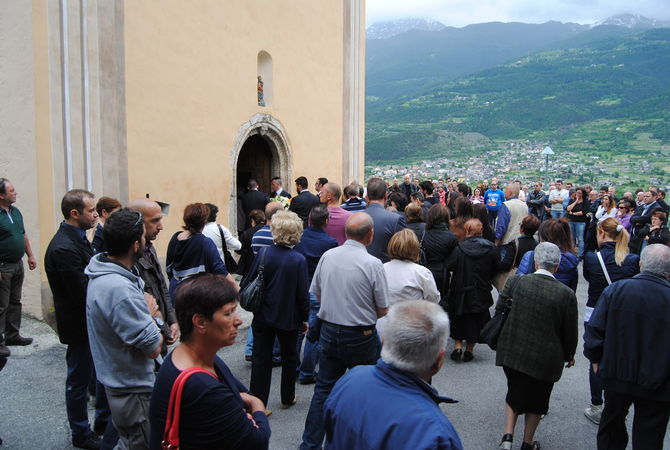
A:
(32, 409)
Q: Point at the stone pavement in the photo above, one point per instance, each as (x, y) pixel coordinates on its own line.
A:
(32, 400)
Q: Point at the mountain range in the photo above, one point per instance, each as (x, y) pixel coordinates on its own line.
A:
(548, 81)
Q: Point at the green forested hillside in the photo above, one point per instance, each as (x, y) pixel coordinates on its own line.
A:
(561, 95)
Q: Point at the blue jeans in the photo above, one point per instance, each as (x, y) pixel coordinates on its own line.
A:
(250, 346)
(79, 369)
(556, 214)
(341, 349)
(577, 230)
(310, 355)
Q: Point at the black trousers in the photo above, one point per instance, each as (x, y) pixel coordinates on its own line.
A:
(261, 361)
(650, 421)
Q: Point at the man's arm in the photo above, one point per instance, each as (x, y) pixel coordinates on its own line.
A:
(503, 223)
(32, 262)
(131, 320)
(594, 329)
(380, 292)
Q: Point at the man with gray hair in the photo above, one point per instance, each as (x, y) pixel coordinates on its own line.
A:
(352, 288)
(625, 340)
(393, 402)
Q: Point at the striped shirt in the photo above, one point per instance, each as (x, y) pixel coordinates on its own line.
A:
(262, 238)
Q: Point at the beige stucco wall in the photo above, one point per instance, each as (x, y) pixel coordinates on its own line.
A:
(191, 84)
(18, 160)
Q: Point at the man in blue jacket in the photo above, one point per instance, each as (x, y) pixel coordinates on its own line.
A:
(625, 340)
(392, 403)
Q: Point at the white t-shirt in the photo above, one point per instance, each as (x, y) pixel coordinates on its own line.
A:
(211, 230)
(562, 194)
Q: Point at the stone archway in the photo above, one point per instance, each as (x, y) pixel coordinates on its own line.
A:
(267, 134)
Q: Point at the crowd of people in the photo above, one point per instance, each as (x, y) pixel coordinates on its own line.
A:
(414, 263)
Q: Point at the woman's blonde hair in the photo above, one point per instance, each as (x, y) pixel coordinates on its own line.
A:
(614, 230)
(404, 245)
(286, 228)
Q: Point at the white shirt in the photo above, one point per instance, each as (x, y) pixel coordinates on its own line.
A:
(556, 194)
(410, 281)
(211, 230)
(601, 214)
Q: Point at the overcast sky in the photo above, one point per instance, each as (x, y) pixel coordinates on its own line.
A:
(459, 13)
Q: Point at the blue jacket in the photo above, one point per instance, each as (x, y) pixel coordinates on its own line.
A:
(380, 407)
(567, 268)
(627, 336)
(493, 199)
(314, 243)
(286, 301)
(593, 272)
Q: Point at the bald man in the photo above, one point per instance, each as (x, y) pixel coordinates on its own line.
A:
(351, 285)
(150, 270)
(331, 195)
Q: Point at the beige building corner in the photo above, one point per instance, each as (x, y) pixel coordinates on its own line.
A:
(134, 98)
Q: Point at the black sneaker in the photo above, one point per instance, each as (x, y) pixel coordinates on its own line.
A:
(20, 340)
(99, 427)
(4, 351)
(90, 442)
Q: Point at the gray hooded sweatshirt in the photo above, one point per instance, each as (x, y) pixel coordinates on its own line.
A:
(121, 331)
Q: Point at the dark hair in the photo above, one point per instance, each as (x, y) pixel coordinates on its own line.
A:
(438, 215)
(277, 179)
(122, 229)
(557, 231)
(427, 186)
(661, 215)
(376, 188)
(3, 188)
(400, 200)
(319, 215)
(213, 211)
(74, 199)
(203, 294)
(352, 190)
(629, 204)
(463, 209)
(480, 212)
(530, 224)
(252, 184)
(604, 188)
(106, 204)
(464, 189)
(195, 217)
(417, 196)
(322, 181)
(585, 195)
(257, 216)
(302, 182)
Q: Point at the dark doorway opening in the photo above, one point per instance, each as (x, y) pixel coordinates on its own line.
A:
(255, 161)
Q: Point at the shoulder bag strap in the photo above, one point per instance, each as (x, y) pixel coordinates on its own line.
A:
(602, 265)
(516, 252)
(171, 433)
(224, 244)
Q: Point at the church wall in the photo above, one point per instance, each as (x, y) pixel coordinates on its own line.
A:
(190, 81)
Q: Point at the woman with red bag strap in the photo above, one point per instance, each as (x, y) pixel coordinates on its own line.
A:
(197, 403)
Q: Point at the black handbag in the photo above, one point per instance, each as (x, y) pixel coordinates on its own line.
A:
(491, 331)
(253, 294)
(228, 260)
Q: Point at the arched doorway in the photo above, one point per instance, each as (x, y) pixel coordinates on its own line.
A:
(261, 152)
(255, 162)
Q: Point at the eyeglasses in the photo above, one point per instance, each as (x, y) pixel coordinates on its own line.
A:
(139, 219)
(622, 207)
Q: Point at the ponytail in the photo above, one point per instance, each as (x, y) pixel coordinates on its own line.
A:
(615, 231)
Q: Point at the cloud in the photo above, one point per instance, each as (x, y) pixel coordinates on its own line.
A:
(464, 12)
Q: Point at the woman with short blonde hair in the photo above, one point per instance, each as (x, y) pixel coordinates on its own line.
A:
(286, 228)
(406, 279)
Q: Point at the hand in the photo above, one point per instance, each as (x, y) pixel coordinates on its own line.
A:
(174, 333)
(305, 327)
(32, 263)
(252, 404)
(253, 422)
(151, 304)
(570, 364)
(595, 367)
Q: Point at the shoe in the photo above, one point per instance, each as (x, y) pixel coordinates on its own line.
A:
(306, 381)
(593, 413)
(4, 351)
(468, 356)
(456, 354)
(534, 446)
(247, 358)
(288, 405)
(99, 427)
(19, 340)
(276, 362)
(506, 443)
(268, 412)
(90, 442)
